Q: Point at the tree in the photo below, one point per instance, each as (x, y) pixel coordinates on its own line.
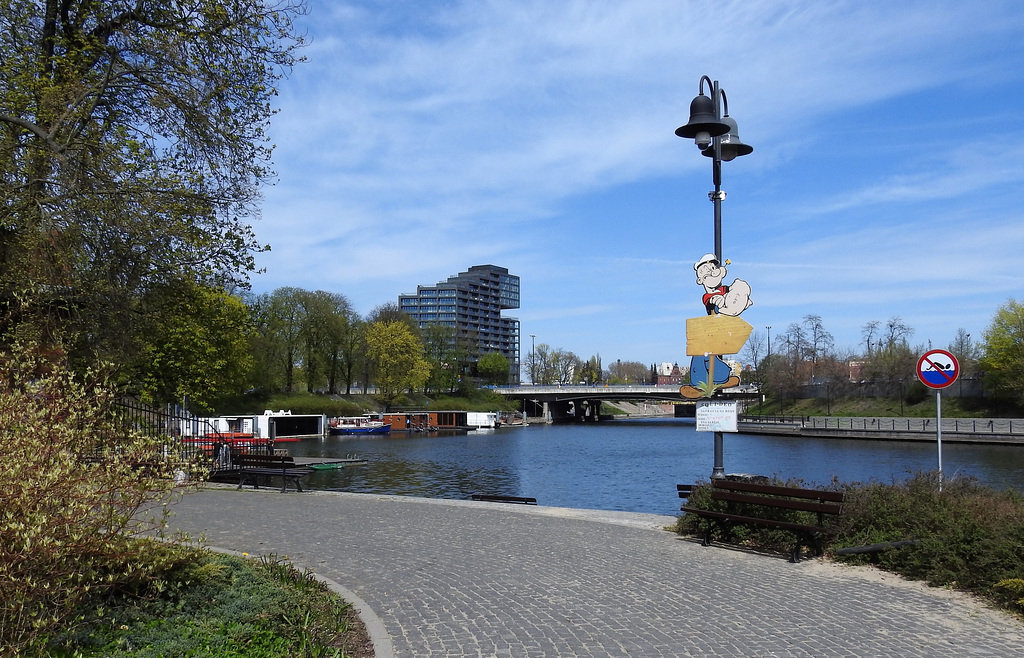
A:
(285, 327)
(133, 145)
(539, 363)
(868, 331)
(442, 351)
(397, 357)
(353, 351)
(754, 348)
(337, 340)
(199, 348)
(1003, 360)
(323, 323)
(966, 353)
(821, 341)
(590, 370)
(493, 367)
(628, 372)
(564, 366)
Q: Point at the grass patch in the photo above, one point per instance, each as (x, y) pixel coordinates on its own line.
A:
(952, 407)
(207, 604)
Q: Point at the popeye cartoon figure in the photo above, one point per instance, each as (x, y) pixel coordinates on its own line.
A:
(718, 299)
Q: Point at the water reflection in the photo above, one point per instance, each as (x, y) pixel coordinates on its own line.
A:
(627, 465)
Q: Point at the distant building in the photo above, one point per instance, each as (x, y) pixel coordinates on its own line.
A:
(670, 373)
(471, 302)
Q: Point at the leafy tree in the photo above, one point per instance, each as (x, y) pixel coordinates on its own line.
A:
(268, 352)
(564, 365)
(442, 351)
(199, 347)
(353, 351)
(286, 313)
(628, 372)
(337, 341)
(323, 322)
(493, 367)
(1003, 360)
(590, 371)
(132, 148)
(397, 357)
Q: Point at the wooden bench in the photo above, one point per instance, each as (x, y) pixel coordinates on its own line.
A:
(752, 504)
(495, 498)
(254, 467)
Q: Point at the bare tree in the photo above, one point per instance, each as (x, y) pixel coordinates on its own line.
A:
(820, 340)
(868, 331)
(754, 348)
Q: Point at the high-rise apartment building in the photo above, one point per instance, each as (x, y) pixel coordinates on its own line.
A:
(472, 303)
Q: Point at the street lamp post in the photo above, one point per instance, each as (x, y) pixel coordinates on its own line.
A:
(717, 136)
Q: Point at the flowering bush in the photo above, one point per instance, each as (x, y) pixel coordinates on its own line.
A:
(77, 486)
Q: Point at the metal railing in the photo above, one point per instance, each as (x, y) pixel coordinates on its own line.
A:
(1000, 426)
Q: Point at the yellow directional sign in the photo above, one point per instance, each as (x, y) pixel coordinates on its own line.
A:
(716, 334)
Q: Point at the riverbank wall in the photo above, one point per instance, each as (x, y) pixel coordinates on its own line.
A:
(998, 431)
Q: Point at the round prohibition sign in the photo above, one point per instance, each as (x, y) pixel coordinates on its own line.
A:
(937, 368)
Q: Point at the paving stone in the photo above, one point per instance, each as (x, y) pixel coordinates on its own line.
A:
(458, 578)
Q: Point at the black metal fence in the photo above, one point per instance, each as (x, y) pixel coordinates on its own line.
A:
(149, 421)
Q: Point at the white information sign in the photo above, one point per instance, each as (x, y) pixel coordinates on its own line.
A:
(716, 416)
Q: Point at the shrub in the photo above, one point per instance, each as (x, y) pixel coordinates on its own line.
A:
(969, 536)
(75, 484)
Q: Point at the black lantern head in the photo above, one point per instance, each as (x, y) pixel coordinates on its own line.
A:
(731, 144)
(703, 124)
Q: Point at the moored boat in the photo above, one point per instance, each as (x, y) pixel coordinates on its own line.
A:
(368, 424)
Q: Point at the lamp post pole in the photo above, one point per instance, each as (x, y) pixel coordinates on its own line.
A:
(717, 136)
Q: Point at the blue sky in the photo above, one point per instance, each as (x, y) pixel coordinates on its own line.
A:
(887, 177)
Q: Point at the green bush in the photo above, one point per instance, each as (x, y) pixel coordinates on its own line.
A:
(970, 537)
(76, 487)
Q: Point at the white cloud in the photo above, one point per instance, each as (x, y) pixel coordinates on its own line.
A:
(422, 138)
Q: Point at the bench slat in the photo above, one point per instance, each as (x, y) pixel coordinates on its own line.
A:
(726, 516)
(780, 503)
(775, 490)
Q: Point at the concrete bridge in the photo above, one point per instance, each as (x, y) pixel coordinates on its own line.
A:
(582, 403)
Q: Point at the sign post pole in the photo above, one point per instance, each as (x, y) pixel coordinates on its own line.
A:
(938, 369)
(938, 431)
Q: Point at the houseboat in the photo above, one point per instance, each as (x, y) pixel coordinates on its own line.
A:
(366, 424)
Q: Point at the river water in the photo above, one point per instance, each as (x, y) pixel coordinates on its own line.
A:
(627, 465)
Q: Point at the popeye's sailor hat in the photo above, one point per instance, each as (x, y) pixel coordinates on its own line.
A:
(706, 258)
